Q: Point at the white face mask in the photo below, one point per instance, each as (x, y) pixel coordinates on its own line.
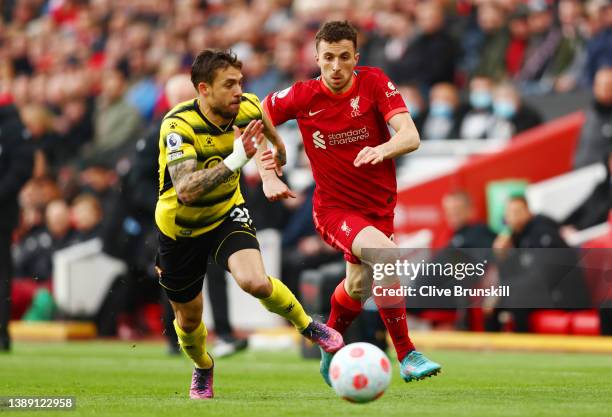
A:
(505, 109)
(480, 99)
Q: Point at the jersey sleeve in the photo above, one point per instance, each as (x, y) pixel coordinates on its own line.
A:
(388, 99)
(176, 140)
(253, 110)
(281, 106)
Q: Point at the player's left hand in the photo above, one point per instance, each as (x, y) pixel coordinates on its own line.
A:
(274, 189)
(369, 155)
(274, 159)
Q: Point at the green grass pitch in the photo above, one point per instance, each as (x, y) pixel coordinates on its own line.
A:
(139, 379)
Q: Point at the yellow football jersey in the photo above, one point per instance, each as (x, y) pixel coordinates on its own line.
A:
(187, 134)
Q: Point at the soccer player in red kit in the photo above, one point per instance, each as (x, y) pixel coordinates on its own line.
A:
(343, 117)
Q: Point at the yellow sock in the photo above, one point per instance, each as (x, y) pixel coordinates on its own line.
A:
(283, 302)
(194, 345)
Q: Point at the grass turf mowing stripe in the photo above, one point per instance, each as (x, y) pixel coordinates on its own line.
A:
(135, 379)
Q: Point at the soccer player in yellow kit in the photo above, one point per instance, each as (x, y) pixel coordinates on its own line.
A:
(201, 212)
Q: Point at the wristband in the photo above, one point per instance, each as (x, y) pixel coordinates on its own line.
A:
(238, 158)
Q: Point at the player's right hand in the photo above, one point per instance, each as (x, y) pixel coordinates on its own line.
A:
(251, 137)
(245, 145)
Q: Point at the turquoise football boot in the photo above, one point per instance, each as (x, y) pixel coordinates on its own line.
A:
(415, 366)
(326, 359)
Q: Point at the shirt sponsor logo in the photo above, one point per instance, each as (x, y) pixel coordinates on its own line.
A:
(342, 138)
(174, 141)
(350, 136)
(355, 106)
(392, 90)
(319, 140)
(175, 155)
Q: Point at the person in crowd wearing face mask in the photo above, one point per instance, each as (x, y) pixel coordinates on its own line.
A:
(443, 119)
(479, 116)
(416, 104)
(510, 115)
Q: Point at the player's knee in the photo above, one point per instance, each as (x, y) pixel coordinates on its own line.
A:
(259, 287)
(188, 322)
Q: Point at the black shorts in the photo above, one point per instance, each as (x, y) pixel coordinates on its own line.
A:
(181, 263)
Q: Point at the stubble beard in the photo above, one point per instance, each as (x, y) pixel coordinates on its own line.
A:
(224, 113)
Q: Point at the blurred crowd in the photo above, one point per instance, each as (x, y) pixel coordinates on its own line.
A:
(88, 77)
(74, 67)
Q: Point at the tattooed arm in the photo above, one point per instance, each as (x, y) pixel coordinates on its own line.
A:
(191, 184)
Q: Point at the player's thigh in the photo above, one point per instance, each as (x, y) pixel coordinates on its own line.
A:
(237, 250)
(371, 238)
(381, 250)
(338, 228)
(181, 266)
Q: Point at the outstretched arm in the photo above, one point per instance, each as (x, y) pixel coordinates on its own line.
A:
(270, 162)
(405, 140)
(279, 154)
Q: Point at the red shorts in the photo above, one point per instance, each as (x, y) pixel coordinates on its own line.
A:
(339, 227)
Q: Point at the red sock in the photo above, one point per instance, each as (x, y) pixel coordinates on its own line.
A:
(344, 309)
(392, 310)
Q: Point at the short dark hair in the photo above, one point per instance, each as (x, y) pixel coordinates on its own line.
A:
(207, 63)
(336, 31)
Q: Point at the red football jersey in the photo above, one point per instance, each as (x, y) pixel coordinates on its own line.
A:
(335, 128)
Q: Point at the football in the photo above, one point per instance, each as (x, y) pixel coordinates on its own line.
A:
(360, 372)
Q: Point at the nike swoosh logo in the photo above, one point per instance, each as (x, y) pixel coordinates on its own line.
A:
(312, 113)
